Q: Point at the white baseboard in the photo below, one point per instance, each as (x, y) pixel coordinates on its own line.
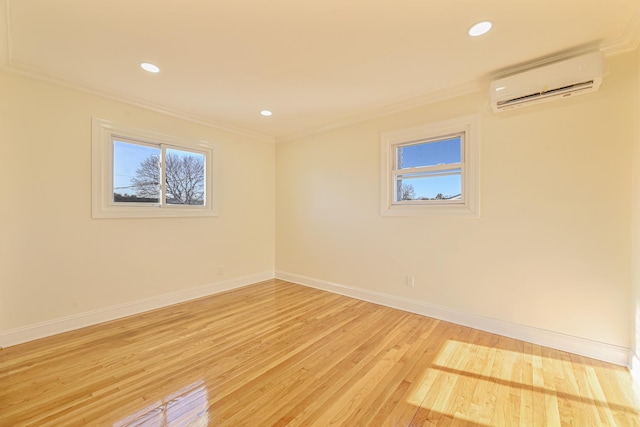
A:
(69, 323)
(594, 349)
(634, 367)
(584, 347)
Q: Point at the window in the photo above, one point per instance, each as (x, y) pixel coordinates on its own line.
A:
(142, 174)
(431, 169)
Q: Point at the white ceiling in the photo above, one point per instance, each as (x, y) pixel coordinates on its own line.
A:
(314, 63)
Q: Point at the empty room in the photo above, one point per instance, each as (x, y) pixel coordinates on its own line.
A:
(313, 213)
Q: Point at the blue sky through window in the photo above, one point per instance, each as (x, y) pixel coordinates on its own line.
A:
(126, 160)
(429, 153)
(435, 153)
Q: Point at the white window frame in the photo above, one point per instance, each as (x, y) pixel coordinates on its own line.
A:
(468, 204)
(104, 132)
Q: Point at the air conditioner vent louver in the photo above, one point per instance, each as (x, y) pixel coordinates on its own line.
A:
(556, 81)
(551, 92)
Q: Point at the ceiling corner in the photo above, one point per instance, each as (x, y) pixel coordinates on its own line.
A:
(628, 41)
(408, 104)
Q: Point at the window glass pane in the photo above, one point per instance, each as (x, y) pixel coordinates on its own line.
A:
(185, 177)
(136, 173)
(434, 153)
(441, 185)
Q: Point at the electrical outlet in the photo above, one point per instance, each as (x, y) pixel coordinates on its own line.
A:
(410, 281)
(220, 270)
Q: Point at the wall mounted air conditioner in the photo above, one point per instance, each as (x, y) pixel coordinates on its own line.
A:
(559, 80)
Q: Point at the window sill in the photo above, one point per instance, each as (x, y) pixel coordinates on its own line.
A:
(458, 209)
(145, 212)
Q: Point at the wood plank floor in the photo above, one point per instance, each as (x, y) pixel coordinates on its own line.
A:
(276, 353)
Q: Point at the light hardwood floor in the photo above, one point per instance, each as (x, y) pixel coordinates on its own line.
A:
(276, 353)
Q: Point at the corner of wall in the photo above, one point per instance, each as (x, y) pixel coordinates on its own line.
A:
(635, 231)
(584, 347)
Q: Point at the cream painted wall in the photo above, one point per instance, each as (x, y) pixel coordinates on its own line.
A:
(550, 250)
(57, 261)
(635, 251)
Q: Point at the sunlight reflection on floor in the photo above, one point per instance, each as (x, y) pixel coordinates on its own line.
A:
(185, 407)
(483, 384)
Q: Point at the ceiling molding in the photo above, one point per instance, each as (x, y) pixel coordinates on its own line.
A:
(546, 60)
(8, 65)
(409, 104)
(628, 41)
(37, 75)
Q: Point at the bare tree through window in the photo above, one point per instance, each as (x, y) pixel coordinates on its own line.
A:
(407, 192)
(184, 178)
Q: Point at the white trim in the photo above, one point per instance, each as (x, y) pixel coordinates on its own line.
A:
(101, 315)
(634, 367)
(22, 70)
(104, 132)
(387, 110)
(584, 347)
(628, 40)
(470, 206)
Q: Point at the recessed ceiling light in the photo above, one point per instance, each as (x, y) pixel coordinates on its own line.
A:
(150, 67)
(266, 113)
(480, 28)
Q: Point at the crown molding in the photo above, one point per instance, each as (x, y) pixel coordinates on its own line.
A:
(628, 40)
(409, 104)
(13, 68)
(137, 103)
(7, 64)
